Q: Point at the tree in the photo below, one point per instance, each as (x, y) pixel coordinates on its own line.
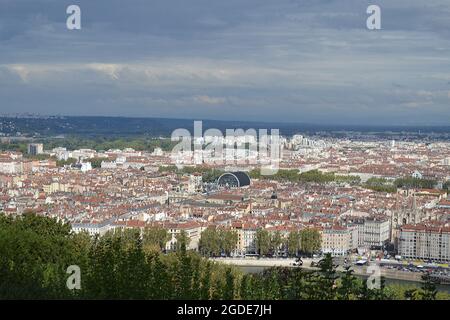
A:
(96, 162)
(429, 287)
(293, 243)
(271, 284)
(228, 292)
(183, 241)
(410, 182)
(210, 243)
(262, 242)
(68, 162)
(326, 281)
(183, 285)
(205, 282)
(310, 240)
(246, 288)
(348, 288)
(155, 238)
(36, 251)
(229, 240)
(446, 185)
(275, 242)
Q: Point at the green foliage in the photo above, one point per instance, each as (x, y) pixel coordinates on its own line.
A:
(410, 182)
(68, 162)
(310, 240)
(326, 278)
(36, 251)
(294, 243)
(428, 291)
(214, 242)
(104, 143)
(380, 185)
(262, 242)
(96, 162)
(14, 146)
(182, 241)
(349, 285)
(155, 239)
(313, 176)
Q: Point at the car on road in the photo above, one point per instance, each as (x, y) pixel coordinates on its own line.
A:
(298, 262)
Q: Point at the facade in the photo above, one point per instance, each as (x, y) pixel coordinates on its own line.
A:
(35, 148)
(246, 238)
(373, 231)
(92, 228)
(337, 240)
(10, 167)
(195, 183)
(428, 242)
(193, 231)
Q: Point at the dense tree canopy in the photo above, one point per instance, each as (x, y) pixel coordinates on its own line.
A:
(37, 251)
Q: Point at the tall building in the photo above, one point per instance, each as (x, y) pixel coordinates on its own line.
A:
(372, 231)
(338, 240)
(376, 232)
(35, 148)
(422, 241)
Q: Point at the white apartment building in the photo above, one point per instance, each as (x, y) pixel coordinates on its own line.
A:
(35, 148)
(373, 231)
(338, 240)
(195, 183)
(193, 231)
(109, 165)
(428, 242)
(246, 237)
(92, 228)
(10, 167)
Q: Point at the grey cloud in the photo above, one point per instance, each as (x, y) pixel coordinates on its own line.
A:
(266, 60)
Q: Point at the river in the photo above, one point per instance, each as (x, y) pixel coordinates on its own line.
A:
(443, 288)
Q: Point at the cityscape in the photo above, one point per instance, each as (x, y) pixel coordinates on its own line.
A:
(225, 158)
(365, 202)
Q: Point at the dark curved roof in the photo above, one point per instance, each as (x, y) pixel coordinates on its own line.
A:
(242, 178)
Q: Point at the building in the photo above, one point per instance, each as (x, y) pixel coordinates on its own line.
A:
(86, 166)
(195, 183)
(374, 232)
(108, 165)
(236, 179)
(416, 175)
(427, 242)
(371, 231)
(10, 167)
(246, 237)
(92, 229)
(35, 148)
(192, 229)
(337, 240)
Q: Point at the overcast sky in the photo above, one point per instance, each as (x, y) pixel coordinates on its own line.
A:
(282, 60)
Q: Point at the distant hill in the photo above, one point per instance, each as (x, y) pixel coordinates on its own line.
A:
(123, 126)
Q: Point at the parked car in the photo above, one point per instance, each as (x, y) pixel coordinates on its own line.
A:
(298, 262)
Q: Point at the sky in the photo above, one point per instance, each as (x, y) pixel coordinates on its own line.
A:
(305, 61)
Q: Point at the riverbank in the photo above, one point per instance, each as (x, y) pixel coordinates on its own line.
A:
(360, 271)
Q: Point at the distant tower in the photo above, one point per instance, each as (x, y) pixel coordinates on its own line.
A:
(393, 144)
(35, 148)
(274, 196)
